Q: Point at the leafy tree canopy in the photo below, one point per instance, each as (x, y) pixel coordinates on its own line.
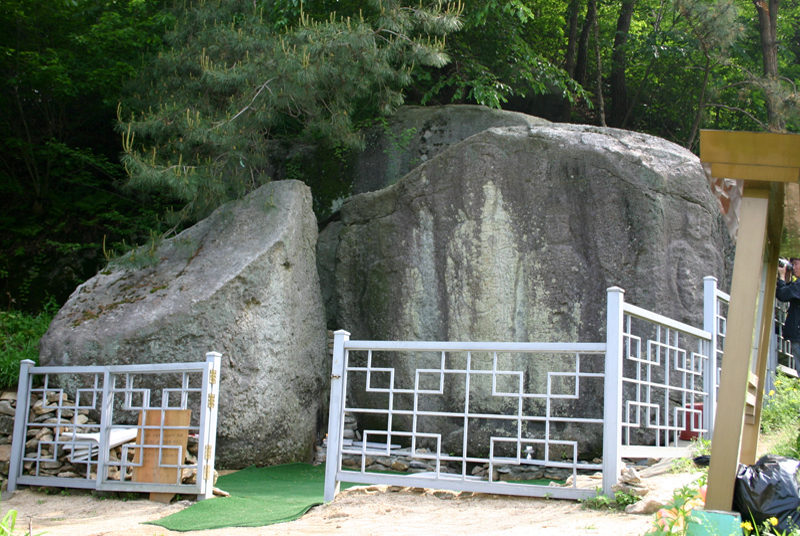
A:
(201, 118)
(234, 78)
(507, 48)
(62, 66)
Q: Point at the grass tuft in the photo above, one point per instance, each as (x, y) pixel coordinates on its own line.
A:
(19, 339)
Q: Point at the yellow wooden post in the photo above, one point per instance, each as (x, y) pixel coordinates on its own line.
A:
(738, 347)
(753, 423)
(763, 161)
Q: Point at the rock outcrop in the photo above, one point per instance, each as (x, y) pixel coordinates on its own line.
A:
(242, 282)
(515, 234)
(416, 134)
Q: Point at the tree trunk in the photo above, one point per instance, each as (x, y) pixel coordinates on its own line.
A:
(641, 85)
(767, 26)
(569, 60)
(572, 37)
(701, 104)
(583, 42)
(600, 104)
(619, 89)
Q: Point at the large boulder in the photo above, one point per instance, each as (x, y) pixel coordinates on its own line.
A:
(415, 134)
(406, 140)
(242, 282)
(515, 234)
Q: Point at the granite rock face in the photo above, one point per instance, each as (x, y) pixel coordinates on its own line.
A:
(515, 234)
(242, 282)
(416, 134)
(408, 139)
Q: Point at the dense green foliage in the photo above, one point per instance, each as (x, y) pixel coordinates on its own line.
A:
(19, 339)
(211, 91)
(781, 405)
(780, 417)
(63, 65)
(206, 112)
(507, 49)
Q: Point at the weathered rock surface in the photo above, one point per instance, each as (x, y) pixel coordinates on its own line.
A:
(242, 282)
(514, 235)
(409, 138)
(415, 134)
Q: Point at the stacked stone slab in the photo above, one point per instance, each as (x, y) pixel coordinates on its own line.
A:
(42, 415)
(242, 282)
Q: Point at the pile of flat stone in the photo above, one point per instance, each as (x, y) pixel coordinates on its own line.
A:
(8, 404)
(401, 460)
(44, 413)
(43, 421)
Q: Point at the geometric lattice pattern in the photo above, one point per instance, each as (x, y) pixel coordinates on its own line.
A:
(135, 428)
(721, 302)
(53, 433)
(457, 411)
(462, 409)
(663, 383)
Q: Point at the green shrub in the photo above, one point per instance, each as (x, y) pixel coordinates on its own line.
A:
(782, 405)
(780, 417)
(604, 502)
(19, 339)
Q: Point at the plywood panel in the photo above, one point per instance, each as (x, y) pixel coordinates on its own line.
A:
(151, 470)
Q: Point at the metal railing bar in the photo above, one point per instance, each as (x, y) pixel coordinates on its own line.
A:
(194, 366)
(517, 347)
(477, 486)
(64, 370)
(497, 393)
(656, 318)
(484, 372)
(673, 388)
(120, 369)
(527, 418)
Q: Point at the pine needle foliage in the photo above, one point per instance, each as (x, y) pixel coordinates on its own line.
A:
(200, 120)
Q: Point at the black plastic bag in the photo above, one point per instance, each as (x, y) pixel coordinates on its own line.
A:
(769, 489)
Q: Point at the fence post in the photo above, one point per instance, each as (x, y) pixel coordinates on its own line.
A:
(20, 418)
(335, 415)
(711, 325)
(206, 463)
(612, 414)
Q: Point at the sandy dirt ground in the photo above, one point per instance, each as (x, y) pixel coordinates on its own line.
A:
(362, 511)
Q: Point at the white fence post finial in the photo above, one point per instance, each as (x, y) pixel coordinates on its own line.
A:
(336, 415)
(710, 324)
(612, 427)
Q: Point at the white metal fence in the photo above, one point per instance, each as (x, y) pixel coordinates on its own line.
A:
(661, 384)
(520, 416)
(658, 380)
(117, 428)
(715, 322)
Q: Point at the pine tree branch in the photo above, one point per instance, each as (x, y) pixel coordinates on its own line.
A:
(263, 86)
(736, 109)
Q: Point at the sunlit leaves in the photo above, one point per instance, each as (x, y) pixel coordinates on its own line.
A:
(203, 115)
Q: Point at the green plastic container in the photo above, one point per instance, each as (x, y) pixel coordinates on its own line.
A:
(714, 523)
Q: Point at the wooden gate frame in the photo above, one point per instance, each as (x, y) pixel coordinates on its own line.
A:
(765, 162)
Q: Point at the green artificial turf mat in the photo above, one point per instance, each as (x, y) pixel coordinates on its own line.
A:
(259, 496)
